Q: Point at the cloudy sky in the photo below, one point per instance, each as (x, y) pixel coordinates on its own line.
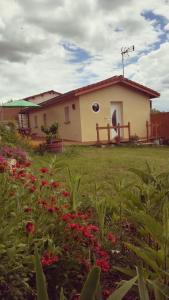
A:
(64, 44)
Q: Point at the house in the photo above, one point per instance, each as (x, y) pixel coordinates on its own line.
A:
(114, 100)
(13, 114)
(40, 98)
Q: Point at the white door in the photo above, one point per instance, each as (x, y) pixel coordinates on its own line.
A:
(116, 117)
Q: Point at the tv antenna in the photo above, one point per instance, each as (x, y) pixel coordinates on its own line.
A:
(126, 51)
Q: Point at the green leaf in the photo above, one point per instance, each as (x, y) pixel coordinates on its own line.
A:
(91, 285)
(146, 178)
(126, 271)
(143, 292)
(40, 279)
(164, 289)
(62, 297)
(123, 289)
(145, 257)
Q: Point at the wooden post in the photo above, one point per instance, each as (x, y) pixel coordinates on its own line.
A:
(147, 130)
(108, 132)
(118, 130)
(129, 130)
(97, 130)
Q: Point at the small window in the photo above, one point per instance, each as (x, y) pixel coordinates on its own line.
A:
(36, 121)
(95, 107)
(45, 120)
(67, 117)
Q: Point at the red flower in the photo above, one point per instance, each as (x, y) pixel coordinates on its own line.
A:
(28, 209)
(65, 194)
(106, 293)
(44, 183)
(32, 189)
(73, 226)
(30, 227)
(103, 264)
(93, 228)
(49, 259)
(55, 184)
(44, 170)
(112, 237)
(27, 164)
(32, 178)
(51, 209)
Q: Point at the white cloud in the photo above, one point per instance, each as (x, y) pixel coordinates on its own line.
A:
(32, 58)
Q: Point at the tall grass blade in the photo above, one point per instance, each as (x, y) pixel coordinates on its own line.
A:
(143, 292)
(90, 287)
(62, 297)
(42, 293)
(123, 290)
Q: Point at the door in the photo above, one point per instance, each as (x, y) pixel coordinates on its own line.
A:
(116, 117)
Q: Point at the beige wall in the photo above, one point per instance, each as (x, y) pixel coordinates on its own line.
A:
(135, 109)
(41, 98)
(55, 113)
(82, 126)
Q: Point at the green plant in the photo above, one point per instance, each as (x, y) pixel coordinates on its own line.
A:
(74, 185)
(51, 132)
(89, 289)
(40, 279)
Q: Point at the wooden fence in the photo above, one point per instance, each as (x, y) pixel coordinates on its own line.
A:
(162, 118)
(152, 130)
(108, 128)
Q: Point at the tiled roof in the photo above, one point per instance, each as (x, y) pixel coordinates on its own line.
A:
(99, 85)
(41, 94)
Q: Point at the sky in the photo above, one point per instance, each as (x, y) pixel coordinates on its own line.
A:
(65, 44)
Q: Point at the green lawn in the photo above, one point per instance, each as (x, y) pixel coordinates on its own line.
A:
(103, 165)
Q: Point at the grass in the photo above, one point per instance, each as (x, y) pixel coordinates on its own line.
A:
(103, 165)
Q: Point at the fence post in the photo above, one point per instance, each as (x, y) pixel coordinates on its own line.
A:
(129, 130)
(108, 132)
(97, 130)
(147, 130)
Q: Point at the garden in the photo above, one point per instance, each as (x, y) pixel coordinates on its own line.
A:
(87, 224)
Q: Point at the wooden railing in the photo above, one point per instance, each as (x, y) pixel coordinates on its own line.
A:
(108, 128)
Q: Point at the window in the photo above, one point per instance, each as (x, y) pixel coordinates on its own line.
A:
(45, 120)
(95, 107)
(36, 121)
(67, 117)
(73, 106)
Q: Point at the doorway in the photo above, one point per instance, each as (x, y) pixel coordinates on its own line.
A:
(116, 117)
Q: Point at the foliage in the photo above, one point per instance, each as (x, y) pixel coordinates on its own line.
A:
(40, 279)
(116, 231)
(14, 153)
(10, 137)
(37, 209)
(51, 132)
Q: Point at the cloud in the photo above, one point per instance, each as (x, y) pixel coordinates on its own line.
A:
(63, 44)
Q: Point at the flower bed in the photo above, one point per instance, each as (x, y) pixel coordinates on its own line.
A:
(39, 211)
(126, 235)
